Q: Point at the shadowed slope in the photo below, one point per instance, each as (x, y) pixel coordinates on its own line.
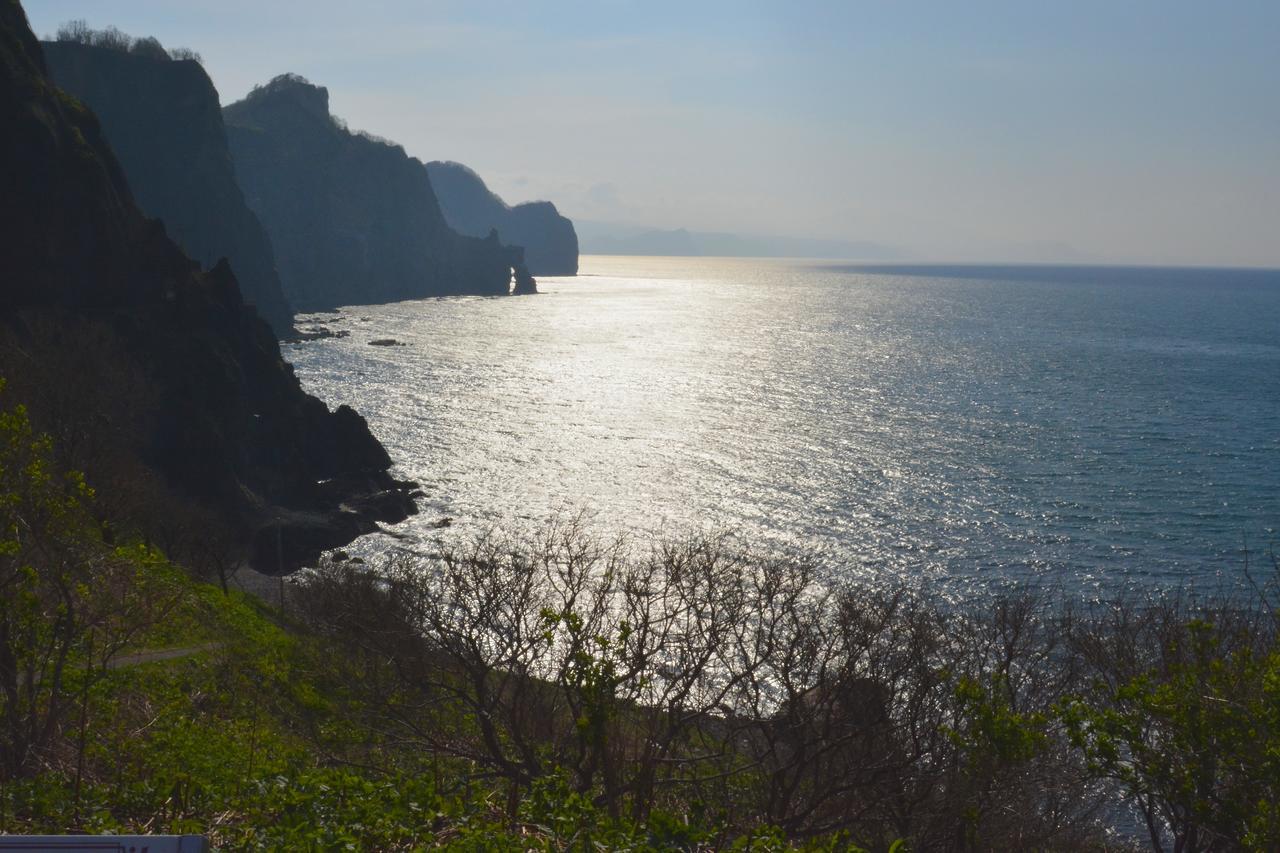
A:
(163, 121)
(93, 294)
(354, 219)
(549, 241)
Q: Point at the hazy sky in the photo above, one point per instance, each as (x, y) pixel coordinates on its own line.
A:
(1120, 131)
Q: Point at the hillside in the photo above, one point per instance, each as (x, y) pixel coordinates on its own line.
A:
(549, 240)
(163, 121)
(354, 219)
(152, 375)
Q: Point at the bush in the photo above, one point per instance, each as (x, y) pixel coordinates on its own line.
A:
(568, 693)
(1187, 725)
(68, 601)
(695, 679)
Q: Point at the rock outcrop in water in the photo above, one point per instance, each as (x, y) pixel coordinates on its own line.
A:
(153, 373)
(163, 121)
(549, 240)
(354, 219)
(525, 283)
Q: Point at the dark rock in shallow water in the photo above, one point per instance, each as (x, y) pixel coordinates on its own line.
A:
(354, 219)
(295, 538)
(549, 241)
(184, 413)
(163, 121)
(317, 333)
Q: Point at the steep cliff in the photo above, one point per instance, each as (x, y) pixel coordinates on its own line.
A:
(549, 241)
(163, 121)
(353, 218)
(147, 369)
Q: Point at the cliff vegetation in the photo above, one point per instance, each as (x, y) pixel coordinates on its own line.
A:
(557, 692)
(78, 31)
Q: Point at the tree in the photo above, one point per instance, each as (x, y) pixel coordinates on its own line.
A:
(699, 678)
(150, 47)
(75, 30)
(1188, 725)
(183, 53)
(68, 602)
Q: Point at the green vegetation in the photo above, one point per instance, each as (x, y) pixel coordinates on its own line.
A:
(257, 732)
(1195, 739)
(571, 695)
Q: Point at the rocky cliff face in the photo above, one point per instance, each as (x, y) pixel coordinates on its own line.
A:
(163, 121)
(97, 305)
(353, 218)
(549, 241)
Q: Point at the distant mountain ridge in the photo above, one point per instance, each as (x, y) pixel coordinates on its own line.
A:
(608, 238)
(549, 240)
(163, 121)
(354, 219)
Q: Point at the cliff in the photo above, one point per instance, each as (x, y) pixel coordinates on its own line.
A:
(549, 240)
(354, 220)
(149, 371)
(163, 121)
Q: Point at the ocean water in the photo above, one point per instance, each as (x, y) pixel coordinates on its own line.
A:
(968, 428)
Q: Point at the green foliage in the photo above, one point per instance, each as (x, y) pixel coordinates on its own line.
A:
(553, 816)
(255, 740)
(267, 736)
(70, 103)
(1195, 743)
(57, 582)
(337, 809)
(591, 670)
(993, 733)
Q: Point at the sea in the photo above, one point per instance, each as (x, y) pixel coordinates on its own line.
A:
(966, 429)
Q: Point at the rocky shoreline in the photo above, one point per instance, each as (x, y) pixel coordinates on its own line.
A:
(293, 539)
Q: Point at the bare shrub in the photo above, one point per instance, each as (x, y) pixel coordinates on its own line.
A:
(111, 38)
(696, 673)
(183, 53)
(78, 31)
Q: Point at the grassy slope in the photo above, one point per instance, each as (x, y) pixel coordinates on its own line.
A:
(255, 741)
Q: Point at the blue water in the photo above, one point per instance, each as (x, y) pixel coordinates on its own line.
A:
(964, 427)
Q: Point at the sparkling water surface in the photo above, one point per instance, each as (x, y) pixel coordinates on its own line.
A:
(966, 427)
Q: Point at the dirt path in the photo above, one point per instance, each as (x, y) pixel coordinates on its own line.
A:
(160, 654)
(122, 661)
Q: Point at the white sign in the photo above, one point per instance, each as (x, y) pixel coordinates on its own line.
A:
(104, 844)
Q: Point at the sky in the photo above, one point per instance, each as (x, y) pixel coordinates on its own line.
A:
(1124, 131)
